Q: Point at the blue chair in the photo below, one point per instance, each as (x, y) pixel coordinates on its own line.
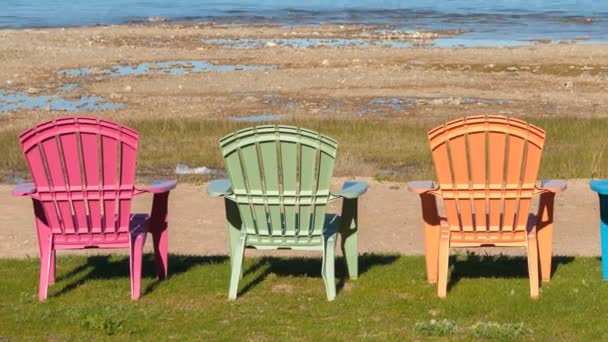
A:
(601, 187)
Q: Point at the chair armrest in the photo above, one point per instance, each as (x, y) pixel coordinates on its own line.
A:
(352, 189)
(219, 187)
(24, 189)
(553, 185)
(159, 186)
(600, 186)
(421, 187)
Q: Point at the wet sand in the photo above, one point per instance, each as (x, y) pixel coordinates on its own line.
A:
(377, 82)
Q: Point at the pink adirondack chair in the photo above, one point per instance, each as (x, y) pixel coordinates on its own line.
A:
(486, 172)
(84, 172)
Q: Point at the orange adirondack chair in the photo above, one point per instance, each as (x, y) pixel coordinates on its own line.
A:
(486, 171)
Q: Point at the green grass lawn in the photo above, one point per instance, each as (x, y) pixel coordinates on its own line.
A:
(284, 299)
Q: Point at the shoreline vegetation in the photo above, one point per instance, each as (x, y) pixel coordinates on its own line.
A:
(396, 151)
(182, 93)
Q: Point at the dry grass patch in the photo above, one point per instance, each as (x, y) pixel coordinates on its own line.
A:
(575, 147)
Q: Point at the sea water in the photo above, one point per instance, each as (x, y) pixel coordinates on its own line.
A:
(486, 23)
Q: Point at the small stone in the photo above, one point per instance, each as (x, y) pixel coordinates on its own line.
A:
(32, 90)
(454, 101)
(325, 62)
(128, 89)
(9, 82)
(434, 312)
(569, 85)
(271, 44)
(97, 71)
(183, 169)
(156, 19)
(115, 96)
(513, 69)
(250, 99)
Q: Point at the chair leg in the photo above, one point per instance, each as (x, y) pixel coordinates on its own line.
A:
(444, 259)
(431, 247)
(432, 230)
(236, 267)
(544, 235)
(135, 258)
(349, 250)
(328, 267)
(46, 252)
(53, 267)
(234, 223)
(160, 234)
(604, 248)
(545, 250)
(161, 254)
(46, 249)
(348, 236)
(234, 244)
(533, 265)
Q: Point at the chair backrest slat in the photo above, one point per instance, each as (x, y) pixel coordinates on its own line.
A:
(478, 168)
(90, 160)
(496, 154)
(513, 178)
(73, 174)
(486, 169)
(128, 158)
(459, 162)
(109, 157)
(81, 168)
(281, 177)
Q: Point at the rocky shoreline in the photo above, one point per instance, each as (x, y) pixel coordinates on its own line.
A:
(151, 71)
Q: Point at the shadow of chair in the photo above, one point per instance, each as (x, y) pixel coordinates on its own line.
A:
(309, 267)
(502, 266)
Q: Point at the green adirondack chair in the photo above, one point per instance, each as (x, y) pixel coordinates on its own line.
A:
(276, 197)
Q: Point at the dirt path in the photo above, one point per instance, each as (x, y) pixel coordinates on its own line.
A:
(389, 219)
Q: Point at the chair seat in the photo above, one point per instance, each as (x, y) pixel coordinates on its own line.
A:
(138, 224)
(296, 242)
(488, 238)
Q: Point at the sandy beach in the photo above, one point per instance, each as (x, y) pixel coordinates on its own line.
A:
(371, 82)
(390, 222)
